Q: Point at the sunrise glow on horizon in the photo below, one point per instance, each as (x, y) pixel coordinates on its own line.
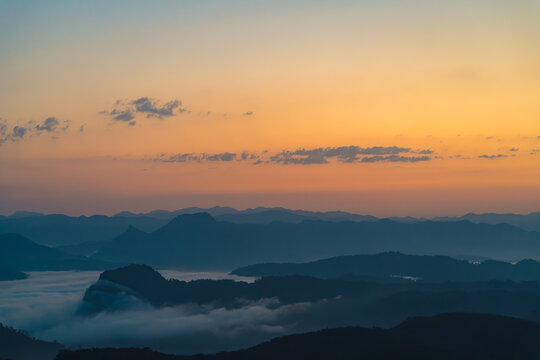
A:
(389, 108)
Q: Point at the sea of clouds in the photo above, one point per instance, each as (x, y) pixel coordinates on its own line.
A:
(45, 306)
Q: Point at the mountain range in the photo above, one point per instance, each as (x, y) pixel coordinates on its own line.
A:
(63, 230)
(20, 253)
(391, 265)
(198, 241)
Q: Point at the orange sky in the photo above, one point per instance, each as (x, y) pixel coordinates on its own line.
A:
(460, 79)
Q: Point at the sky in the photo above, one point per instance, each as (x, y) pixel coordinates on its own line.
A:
(390, 108)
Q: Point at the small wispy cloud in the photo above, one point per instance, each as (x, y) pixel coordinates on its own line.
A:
(492, 156)
(127, 110)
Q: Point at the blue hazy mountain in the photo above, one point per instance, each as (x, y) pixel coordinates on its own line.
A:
(263, 215)
(396, 265)
(17, 345)
(20, 253)
(449, 336)
(57, 229)
(529, 221)
(199, 241)
(259, 215)
(53, 230)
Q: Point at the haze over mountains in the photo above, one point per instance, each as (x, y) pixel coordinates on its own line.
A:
(314, 271)
(18, 252)
(199, 241)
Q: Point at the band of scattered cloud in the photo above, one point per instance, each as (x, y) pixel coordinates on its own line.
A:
(18, 132)
(344, 154)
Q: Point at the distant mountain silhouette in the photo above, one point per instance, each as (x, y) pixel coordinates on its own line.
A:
(529, 221)
(199, 241)
(19, 346)
(53, 230)
(451, 336)
(8, 273)
(263, 215)
(62, 230)
(391, 264)
(22, 214)
(258, 215)
(18, 252)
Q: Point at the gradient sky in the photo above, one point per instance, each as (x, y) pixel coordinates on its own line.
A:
(420, 108)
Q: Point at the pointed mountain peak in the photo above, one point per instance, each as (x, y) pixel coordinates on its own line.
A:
(131, 230)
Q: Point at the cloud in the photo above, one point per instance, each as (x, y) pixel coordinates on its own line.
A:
(226, 156)
(343, 154)
(132, 123)
(513, 149)
(18, 132)
(122, 115)
(45, 306)
(185, 157)
(127, 110)
(424, 152)
(248, 156)
(347, 154)
(49, 124)
(492, 157)
(395, 158)
(151, 107)
(247, 113)
(3, 130)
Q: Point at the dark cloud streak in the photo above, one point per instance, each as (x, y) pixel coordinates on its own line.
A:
(316, 156)
(127, 110)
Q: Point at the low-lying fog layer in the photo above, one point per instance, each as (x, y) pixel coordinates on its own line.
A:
(44, 305)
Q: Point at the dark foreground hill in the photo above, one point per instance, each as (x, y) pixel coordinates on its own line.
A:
(19, 346)
(199, 241)
(8, 273)
(18, 252)
(447, 336)
(395, 265)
